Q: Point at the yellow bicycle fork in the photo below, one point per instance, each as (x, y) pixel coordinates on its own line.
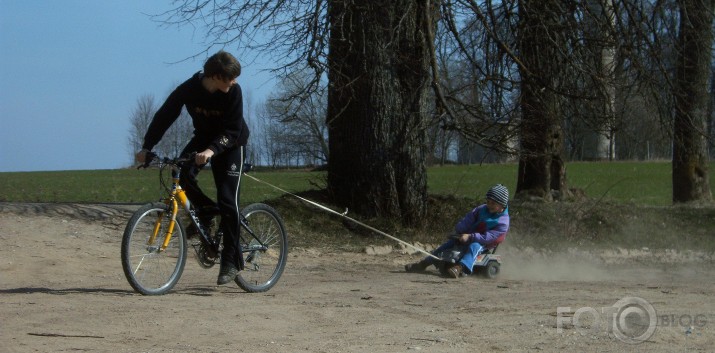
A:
(179, 194)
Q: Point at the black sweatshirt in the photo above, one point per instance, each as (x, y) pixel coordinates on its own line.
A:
(217, 117)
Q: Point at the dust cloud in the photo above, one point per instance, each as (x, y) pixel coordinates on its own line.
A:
(601, 265)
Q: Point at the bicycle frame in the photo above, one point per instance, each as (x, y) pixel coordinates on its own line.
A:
(178, 197)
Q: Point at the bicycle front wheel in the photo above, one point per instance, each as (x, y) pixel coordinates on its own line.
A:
(264, 244)
(150, 268)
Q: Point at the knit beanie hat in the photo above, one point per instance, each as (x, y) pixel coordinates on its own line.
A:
(499, 193)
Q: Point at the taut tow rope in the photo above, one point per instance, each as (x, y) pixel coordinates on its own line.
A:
(344, 215)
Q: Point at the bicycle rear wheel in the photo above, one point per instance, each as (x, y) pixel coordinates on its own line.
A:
(264, 244)
(149, 269)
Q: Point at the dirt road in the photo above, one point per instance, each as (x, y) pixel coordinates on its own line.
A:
(62, 289)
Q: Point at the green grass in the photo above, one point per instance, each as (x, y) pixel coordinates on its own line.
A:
(641, 183)
(624, 208)
(131, 186)
(470, 181)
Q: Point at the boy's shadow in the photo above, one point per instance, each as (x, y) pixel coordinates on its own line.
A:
(65, 291)
(195, 290)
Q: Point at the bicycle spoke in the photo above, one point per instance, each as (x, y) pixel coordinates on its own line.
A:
(264, 248)
(149, 269)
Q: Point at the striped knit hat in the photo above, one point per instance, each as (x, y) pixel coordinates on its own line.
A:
(499, 193)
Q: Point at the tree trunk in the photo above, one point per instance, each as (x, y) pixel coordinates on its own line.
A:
(711, 117)
(541, 166)
(690, 163)
(377, 105)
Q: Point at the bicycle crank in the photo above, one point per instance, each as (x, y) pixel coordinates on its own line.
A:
(205, 257)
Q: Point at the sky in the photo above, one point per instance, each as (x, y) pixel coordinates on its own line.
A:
(72, 71)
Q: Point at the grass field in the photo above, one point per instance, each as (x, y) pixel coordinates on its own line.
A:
(129, 185)
(641, 183)
(628, 204)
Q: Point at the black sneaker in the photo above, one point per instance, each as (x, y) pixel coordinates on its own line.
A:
(416, 267)
(227, 273)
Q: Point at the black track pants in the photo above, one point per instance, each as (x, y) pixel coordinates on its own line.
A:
(227, 168)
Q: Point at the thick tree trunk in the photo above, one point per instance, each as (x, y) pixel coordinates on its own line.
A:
(377, 104)
(541, 166)
(690, 163)
(711, 117)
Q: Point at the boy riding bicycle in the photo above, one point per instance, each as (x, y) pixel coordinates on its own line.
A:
(214, 101)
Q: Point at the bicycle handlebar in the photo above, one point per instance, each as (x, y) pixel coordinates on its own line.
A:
(153, 158)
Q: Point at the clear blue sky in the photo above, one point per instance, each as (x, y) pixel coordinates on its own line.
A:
(71, 72)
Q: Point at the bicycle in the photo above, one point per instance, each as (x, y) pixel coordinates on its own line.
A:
(154, 243)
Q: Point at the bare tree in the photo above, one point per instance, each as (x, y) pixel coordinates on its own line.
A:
(476, 75)
(297, 119)
(473, 119)
(443, 143)
(645, 37)
(379, 64)
(548, 72)
(599, 140)
(139, 120)
(690, 162)
(252, 114)
(711, 116)
(541, 41)
(378, 71)
(643, 137)
(174, 139)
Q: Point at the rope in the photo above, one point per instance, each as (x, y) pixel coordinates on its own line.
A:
(344, 215)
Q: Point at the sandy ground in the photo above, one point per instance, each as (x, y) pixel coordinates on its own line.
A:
(62, 289)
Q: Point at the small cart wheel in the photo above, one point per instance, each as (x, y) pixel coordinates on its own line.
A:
(491, 270)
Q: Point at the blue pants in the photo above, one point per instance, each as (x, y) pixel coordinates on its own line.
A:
(469, 253)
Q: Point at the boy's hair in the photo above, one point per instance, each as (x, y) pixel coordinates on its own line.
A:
(223, 65)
